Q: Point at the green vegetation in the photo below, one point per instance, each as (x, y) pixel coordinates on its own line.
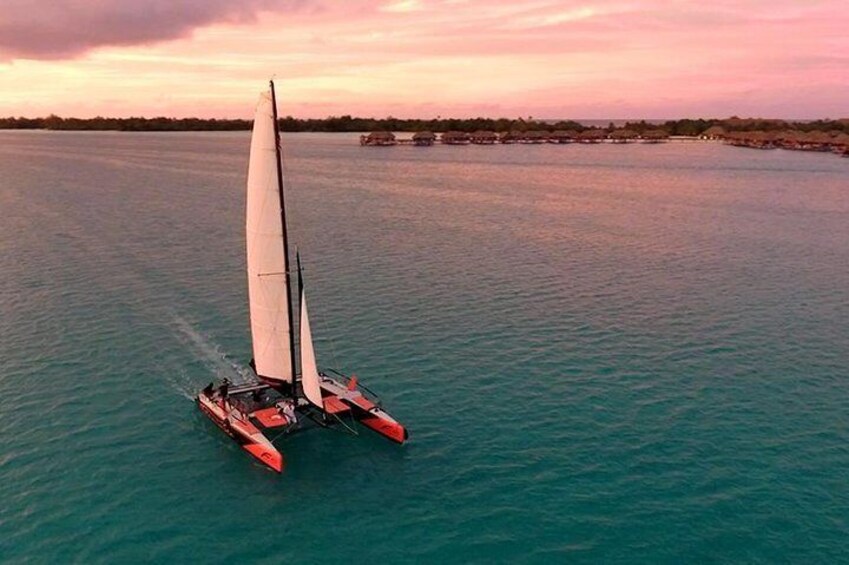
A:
(124, 124)
(330, 124)
(346, 123)
(468, 125)
(696, 127)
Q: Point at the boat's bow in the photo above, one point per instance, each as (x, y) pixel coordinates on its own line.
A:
(341, 395)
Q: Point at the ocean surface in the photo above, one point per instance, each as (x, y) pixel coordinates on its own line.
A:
(604, 354)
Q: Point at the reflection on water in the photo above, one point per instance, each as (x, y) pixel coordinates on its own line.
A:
(605, 353)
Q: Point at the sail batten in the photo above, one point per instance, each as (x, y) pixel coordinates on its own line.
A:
(267, 265)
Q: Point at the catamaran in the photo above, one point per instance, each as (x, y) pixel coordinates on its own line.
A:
(271, 404)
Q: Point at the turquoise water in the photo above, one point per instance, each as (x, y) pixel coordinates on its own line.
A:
(603, 354)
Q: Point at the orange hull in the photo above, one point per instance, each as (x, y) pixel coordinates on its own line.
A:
(246, 435)
(393, 430)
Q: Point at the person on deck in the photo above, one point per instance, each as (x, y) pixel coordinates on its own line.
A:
(223, 391)
(287, 408)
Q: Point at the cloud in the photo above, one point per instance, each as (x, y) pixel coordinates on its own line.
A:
(402, 6)
(61, 29)
(559, 58)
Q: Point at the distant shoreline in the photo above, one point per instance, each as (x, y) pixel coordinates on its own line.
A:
(348, 124)
(818, 135)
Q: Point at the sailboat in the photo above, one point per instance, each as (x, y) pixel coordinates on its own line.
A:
(281, 399)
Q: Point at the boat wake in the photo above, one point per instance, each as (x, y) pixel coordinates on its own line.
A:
(183, 384)
(210, 354)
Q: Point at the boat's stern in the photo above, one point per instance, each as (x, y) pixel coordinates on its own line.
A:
(267, 454)
(236, 422)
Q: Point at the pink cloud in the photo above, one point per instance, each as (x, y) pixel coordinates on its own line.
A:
(67, 28)
(547, 58)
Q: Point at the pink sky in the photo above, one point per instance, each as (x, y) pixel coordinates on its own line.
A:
(427, 58)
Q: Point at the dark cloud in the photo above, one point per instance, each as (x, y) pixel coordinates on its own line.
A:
(58, 29)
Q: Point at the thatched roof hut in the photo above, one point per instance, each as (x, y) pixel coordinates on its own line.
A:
(785, 136)
(812, 140)
(455, 138)
(562, 136)
(592, 136)
(483, 137)
(820, 137)
(713, 132)
(622, 135)
(755, 139)
(424, 138)
(840, 144)
(656, 135)
(510, 136)
(536, 136)
(378, 138)
(841, 140)
(739, 138)
(806, 141)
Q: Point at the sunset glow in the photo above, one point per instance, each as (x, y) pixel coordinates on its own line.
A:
(427, 58)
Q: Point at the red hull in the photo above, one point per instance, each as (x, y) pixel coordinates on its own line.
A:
(242, 433)
(341, 399)
(394, 431)
(272, 458)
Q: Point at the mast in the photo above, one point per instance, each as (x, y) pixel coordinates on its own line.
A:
(300, 280)
(285, 235)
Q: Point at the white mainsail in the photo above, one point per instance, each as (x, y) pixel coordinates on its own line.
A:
(267, 294)
(309, 369)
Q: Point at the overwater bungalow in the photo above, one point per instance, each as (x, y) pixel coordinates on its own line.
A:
(786, 139)
(562, 136)
(482, 137)
(713, 132)
(378, 138)
(455, 138)
(752, 139)
(592, 136)
(535, 136)
(424, 138)
(760, 140)
(840, 144)
(623, 135)
(801, 141)
(737, 138)
(807, 141)
(509, 137)
(819, 141)
(790, 139)
(654, 136)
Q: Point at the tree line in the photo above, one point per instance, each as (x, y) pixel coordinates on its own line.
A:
(347, 123)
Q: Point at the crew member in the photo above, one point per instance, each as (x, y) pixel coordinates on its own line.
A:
(287, 408)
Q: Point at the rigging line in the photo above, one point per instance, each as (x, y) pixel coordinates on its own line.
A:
(333, 356)
(281, 191)
(287, 184)
(347, 427)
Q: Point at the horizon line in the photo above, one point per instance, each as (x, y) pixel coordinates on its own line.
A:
(437, 118)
